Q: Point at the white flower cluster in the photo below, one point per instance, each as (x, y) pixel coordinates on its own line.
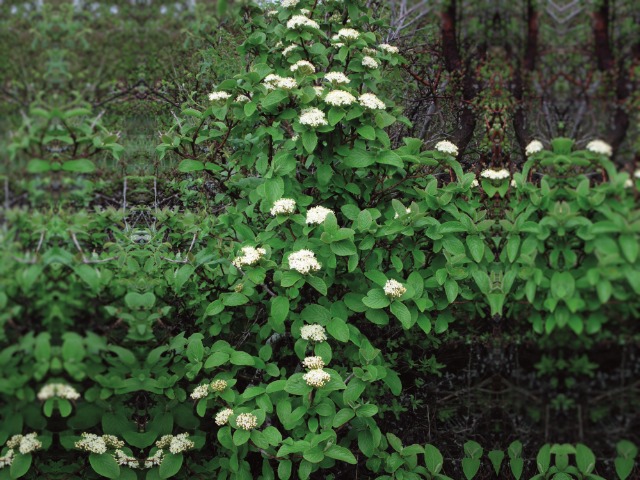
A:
(156, 459)
(534, 146)
(304, 261)
(289, 49)
(284, 206)
(124, 459)
(199, 392)
(300, 21)
(495, 174)
(370, 101)
(250, 255)
(92, 443)
(317, 215)
(273, 81)
(176, 443)
(338, 98)
(348, 34)
(219, 96)
(25, 443)
(601, 147)
(112, 441)
(313, 332)
(394, 289)
(271, 13)
(289, 3)
(303, 66)
(316, 378)
(319, 90)
(636, 174)
(513, 183)
(313, 117)
(60, 390)
(218, 385)
(369, 51)
(222, 417)
(313, 362)
(408, 210)
(242, 99)
(247, 421)
(628, 183)
(475, 183)
(370, 62)
(338, 78)
(7, 458)
(305, 11)
(445, 146)
(386, 48)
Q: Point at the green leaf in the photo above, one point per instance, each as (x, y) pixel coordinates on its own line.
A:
(470, 467)
(624, 467)
(21, 464)
(240, 437)
(242, 358)
(279, 309)
(517, 466)
(104, 464)
(309, 140)
(376, 299)
(402, 313)
(630, 246)
(585, 459)
(284, 469)
(171, 464)
(317, 283)
(543, 459)
(274, 97)
(367, 131)
(79, 166)
(476, 247)
(496, 457)
(433, 459)
(187, 166)
(340, 453)
(338, 329)
(38, 166)
(451, 289)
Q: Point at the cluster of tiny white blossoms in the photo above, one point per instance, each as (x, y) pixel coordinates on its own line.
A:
(92, 443)
(445, 146)
(369, 51)
(385, 47)
(303, 66)
(317, 215)
(338, 78)
(313, 332)
(284, 206)
(242, 99)
(475, 183)
(60, 390)
(124, 459)
(273, 81)
(247, 421)
(304, 261)
(394, 289)
(25, 443)
(370, 62)
(348, 34)
(313, 117)
(534, 146)
(513, 183)
(250, 255)
(495, 174)
(289, 49)
(370, 101)
(316, 378)
(636, 174)
(338, 98)
(601, 147)
(6, 459)
(218, 385)
(628, 183)
(300, 21)
(199, 392)
(313, 362)
(289, 3)
(176, 443)
(219, 96)
(319, 90)
(154, 460)
(408, 210)
(222, 417)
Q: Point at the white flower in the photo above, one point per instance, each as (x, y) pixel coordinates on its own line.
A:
(156, 459)
(601, 147)
(369, 100)
(317, 215)
(289, 3)
(368, 51)
(319, 91)
(305, 11)
(385, 47)
(242, 99)
(313, 117)
(284, 206)
(394, 289)
(408, 210)
(316, 378)
(218, 385)
(222, 417)
(303, 261)
(337, 78)
(348, 34)
(273, 81)
(59, 390)
(271, 13)
(445, 146)
(304, 67)
(124, 459)
(495, 174)
(313, 332)
(338, 98)
(92, 443)
(313, 362)
(513, 183)
(370, 62)
(298, 21)
(338, 45)
(247, 421)
(199, 392)
(636, 174)
(295, 138)
(7, 458)
(628, 183)
(475, 183)
(534, 146)
(176, 443)
(25, 443)
(112, 441)
(289, 49)
(250, 256)
(219, 96)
